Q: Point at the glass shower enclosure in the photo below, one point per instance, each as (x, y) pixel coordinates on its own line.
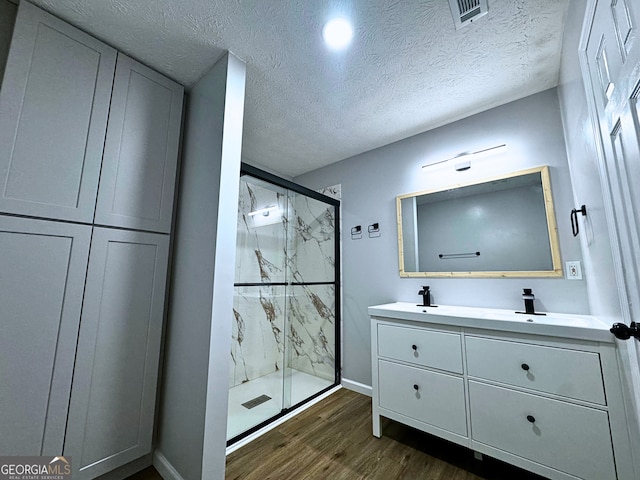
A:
(286, 303)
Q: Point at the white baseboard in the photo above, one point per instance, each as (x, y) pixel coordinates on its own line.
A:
(125, 471)
(357, 387)
(164, 467)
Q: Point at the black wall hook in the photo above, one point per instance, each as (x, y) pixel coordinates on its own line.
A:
(356, 232)
(575, 228)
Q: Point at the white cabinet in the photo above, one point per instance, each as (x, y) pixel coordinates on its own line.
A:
(570, 438)
(114, 384)
(560, 423)
(418, 379)
(81, 306)
(428, 348)
(54, 105)
(141, 149)
(60, 104)
(551, 405)
(42, 276)
(435, 398)
(573, 374)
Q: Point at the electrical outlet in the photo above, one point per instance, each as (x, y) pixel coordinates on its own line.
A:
(574, 271)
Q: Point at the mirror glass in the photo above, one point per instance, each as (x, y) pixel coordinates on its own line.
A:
(498, 227)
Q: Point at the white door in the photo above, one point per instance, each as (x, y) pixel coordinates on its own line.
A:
(138, 174)
(612, 73)
(113, 394)
(54, 104)
(42, 272)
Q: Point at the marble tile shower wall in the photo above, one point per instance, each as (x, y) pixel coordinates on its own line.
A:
(294, 242)
(312, 259)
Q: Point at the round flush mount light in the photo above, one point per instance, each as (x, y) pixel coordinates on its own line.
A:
(337, 33)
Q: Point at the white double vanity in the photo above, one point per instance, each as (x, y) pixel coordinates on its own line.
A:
(541, 392)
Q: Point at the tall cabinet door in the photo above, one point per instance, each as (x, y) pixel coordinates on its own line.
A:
(42, 275)
(141, 150)
(114, 385)
(54, 105)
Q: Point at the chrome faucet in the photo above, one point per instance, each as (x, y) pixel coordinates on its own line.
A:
(426, 296)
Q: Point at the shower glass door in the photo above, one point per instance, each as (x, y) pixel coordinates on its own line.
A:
(284, 318)
(311, 297)
(259, 306)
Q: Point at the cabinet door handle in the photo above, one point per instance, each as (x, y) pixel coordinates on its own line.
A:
(415, 387)
(531, 418)
(414, 347)
(525, 367)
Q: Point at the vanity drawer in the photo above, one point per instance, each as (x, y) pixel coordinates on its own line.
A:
(569, 373)
(570, 438)
(438, 400)
(424, 347)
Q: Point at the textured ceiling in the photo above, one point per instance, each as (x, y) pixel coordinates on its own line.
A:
(408, 70)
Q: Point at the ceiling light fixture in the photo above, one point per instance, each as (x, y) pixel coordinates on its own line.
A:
(337, 33)
(464, 159)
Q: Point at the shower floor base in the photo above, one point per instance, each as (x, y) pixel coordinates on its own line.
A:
(242, 419)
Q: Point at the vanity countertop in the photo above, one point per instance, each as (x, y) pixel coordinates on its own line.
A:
(564, 325)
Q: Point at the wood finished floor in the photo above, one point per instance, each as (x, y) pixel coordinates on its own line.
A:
(333, 441)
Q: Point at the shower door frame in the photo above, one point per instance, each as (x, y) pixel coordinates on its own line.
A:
(246, 169)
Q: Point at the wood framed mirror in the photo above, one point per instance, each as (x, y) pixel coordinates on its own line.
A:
(503, 226)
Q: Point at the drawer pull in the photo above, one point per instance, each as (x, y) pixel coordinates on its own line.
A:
(416, 387)
(525, 367)
(414, 347)
(531, 418)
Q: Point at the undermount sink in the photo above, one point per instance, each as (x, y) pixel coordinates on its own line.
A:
(557, 324)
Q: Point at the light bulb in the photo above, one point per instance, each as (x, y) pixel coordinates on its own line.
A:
(337, 33)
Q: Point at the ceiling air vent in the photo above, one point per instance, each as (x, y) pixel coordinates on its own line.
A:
(466, 11)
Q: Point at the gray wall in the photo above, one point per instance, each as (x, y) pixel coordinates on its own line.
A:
(8, 13)
(532, 130)
(193, 416)
(583, 163)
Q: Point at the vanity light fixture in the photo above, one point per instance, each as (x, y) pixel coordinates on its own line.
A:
(337, 33)
(462, 166)
(463, 161)
(265, 212)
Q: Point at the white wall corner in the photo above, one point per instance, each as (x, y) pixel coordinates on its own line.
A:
(231, 72)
